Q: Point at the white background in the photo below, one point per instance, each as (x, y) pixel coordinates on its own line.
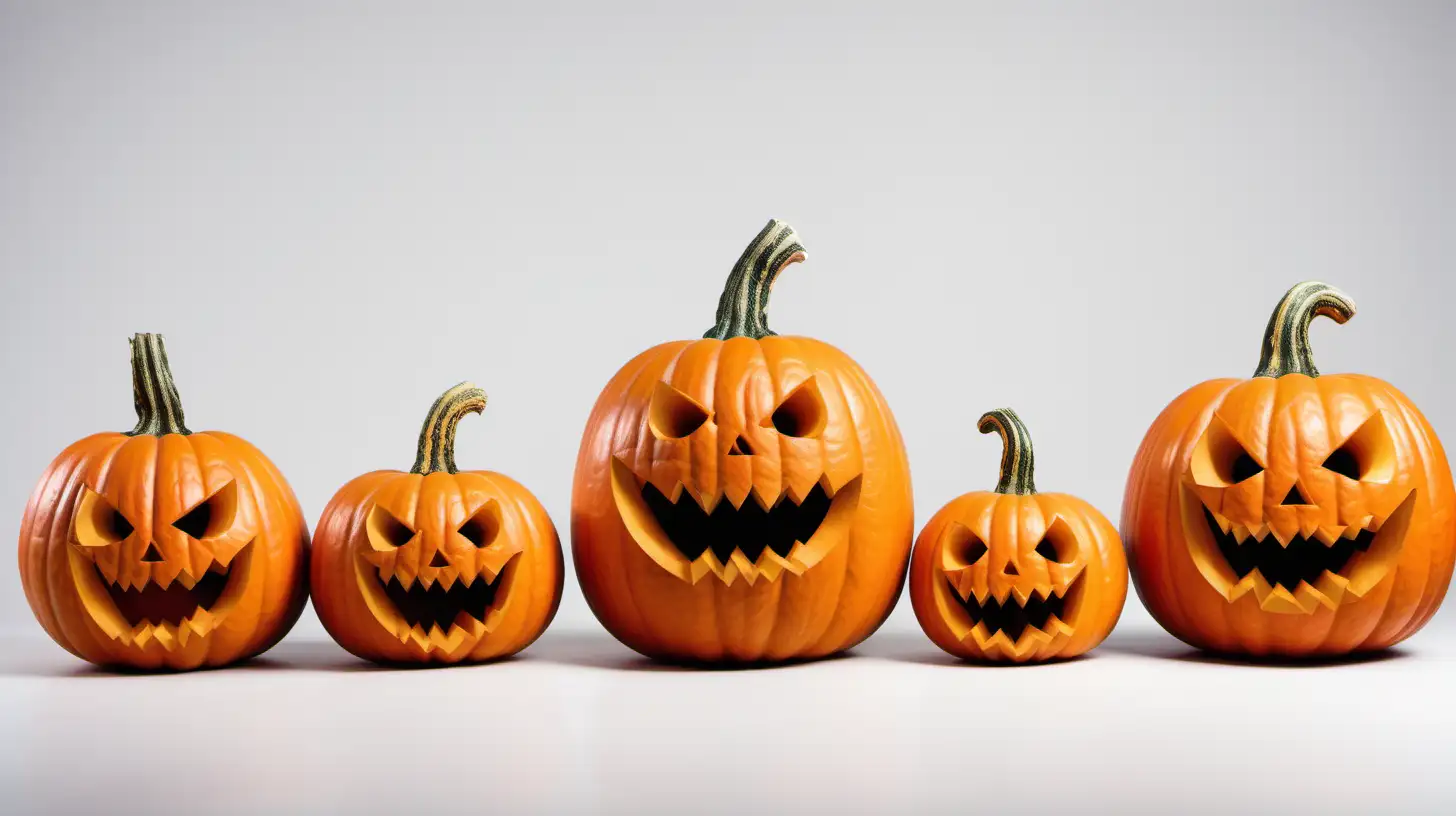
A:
(334, 211)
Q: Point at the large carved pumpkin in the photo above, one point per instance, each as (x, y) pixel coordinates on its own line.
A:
(744, 497)
(1013, 574)
(436, 565)
(161, 548)
(1291, 513)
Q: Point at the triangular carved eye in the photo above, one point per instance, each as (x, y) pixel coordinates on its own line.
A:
(213, 515)
(98, 523)
(386, 532)
(1059, 543)
(1368, 454)
(960, 547)
(482, 528)
(673, 414)
(1220, 459)
(802, 413)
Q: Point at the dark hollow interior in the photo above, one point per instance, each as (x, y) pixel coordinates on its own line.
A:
(1011, 617)
(749, 528)
(1304, 559)
(154, 604)
(439, 606)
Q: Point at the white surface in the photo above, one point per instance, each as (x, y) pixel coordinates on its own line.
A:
(581, 725)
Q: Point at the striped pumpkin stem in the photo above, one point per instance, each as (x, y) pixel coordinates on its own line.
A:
(1286, 338)
(1016, 457)
(437, 438)
(158, 407)
(741, 309)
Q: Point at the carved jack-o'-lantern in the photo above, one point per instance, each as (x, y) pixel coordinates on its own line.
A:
(436, 565)
(1291, 513)
(743, 497)
(1016, 575)
(161, 548)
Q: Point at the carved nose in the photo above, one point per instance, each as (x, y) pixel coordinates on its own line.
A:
(740, 447)
(439, 560)
(1010, 569)
(1294, 496)
(152, 556)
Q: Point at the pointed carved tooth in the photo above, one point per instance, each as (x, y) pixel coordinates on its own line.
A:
(1223, 523)
(1352, 532)
(186, 579)
(1372, 524)
(159, 575)
(1332, 586)
(1327, 535)
(1280, 599)
(166, 635)
(1279, 535)
(447, 579)
(1059, 626)
(1032, 633)
(142, 635)
(1022, 596)
(1310, 596)
(202, 621)
(1260, 532)
(427, 581)
(1241, 533)
(1308, 526)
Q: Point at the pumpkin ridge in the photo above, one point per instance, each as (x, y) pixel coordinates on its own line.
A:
(436, 450)
(1286, 348)
(743, 305)
(158, 406)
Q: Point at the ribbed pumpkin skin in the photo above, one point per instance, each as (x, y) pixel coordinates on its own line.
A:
(436, 505)
(1292, 422)
(833, 604)
(154, 480)
(1011, 526)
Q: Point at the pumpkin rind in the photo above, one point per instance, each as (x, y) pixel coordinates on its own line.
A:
(1389, 531)
(694, 422)
(1081, 592)
(153, 476)
(521, 565)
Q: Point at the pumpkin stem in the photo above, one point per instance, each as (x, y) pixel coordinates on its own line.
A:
(1016, 456)
(437, 438)
(1286, 338)
(741, 309)
(158, 407)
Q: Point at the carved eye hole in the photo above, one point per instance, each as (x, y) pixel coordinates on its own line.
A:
(975, 551)
(98, 523)
(213, 515)
(1220, 460)
(1243, 467)
(482, 528)
(385, 531)
(960, 548)
(673, 414)
(1368, 454)
(1059, 544)
(802, 413)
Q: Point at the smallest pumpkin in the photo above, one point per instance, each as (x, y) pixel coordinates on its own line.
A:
(436, 565)
(1015, 575)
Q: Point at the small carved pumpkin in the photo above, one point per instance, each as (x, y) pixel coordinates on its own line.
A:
(744, 497)
(436, 565)
(161, 548)
(1292, 513)
(1013, 574)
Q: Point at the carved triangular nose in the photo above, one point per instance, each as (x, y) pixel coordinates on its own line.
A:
(151, 556)
(439, 560)
(740, 447)
(1010, 569)
(1294, 497)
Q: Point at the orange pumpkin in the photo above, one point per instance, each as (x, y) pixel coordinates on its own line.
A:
(1013, 574)
(744, 497)
(436, 565)
(161, 548)
(1291, 513)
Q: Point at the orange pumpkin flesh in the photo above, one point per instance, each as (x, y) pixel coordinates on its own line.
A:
(436, 565)
(744, 497)
(162, 548)
(1291, 514)
(1015, 575)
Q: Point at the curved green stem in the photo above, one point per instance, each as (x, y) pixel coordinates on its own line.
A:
(436, 452)
(1286, 339)
(741, 309)
(1016, 456)
(158, 407)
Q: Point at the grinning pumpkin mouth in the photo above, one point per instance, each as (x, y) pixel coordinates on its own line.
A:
(440, 611)
(759, 537)
(1021, 620)
(1300, 571)
(156, 605)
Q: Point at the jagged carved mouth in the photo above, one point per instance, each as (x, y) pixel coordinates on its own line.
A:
(153, 605)
(760, 537)
(1299, 571)
(442, 611)
(1019, 621)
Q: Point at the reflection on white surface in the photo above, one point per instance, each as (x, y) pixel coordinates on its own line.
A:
(582, 725)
